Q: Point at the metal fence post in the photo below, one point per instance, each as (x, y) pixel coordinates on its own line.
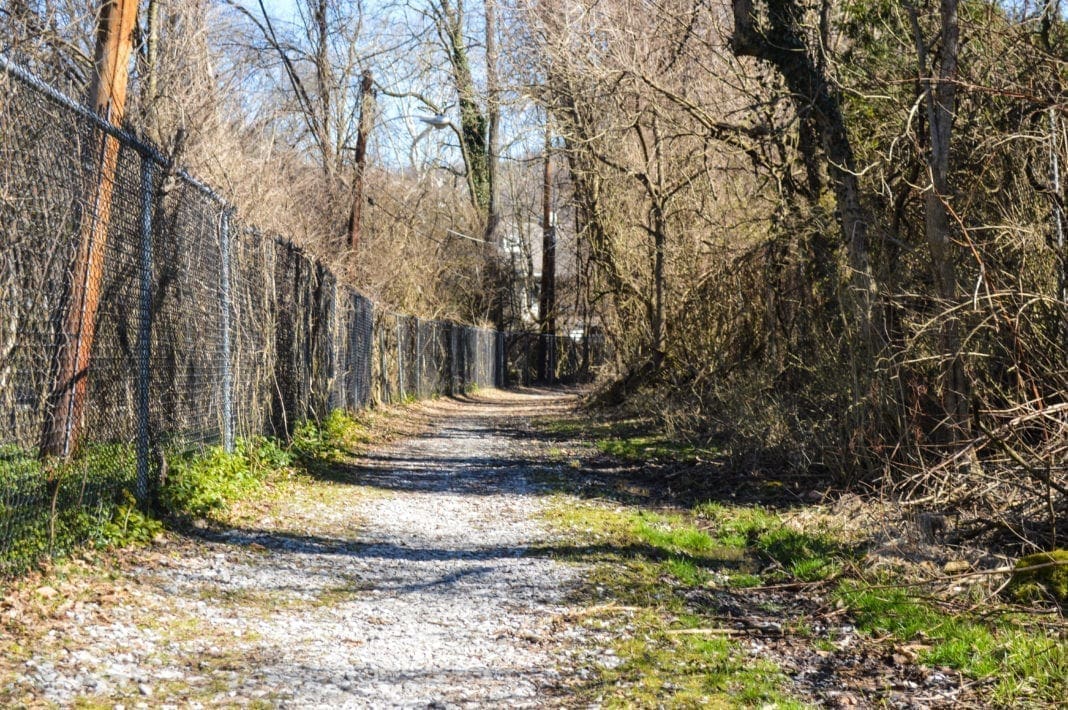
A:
(501, 379)
(227, 385)
(383, 377)
(418, 358)
(400, 361)
(144, 331)
(456, 385)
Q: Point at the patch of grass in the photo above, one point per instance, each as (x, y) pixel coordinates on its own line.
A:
(640, 559)
(652, 447)
(671, 533)
(743, 580)
(659, 668)
(806, 557)
(644, 558)
(1023, 664)
(584, 428)
(737, 522)
(686, 571)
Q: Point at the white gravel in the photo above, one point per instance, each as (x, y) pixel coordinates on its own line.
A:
(433, 602)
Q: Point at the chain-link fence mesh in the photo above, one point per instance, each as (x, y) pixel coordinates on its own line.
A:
(139, 317)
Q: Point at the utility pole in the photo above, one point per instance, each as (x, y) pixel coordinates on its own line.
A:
(494, 276)
(367, 112)
(547, 297)
(107, 96)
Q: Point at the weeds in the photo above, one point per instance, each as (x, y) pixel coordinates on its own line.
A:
(1019, 662)
(47, 509)
(644, 557)
(330, 439)
(202, 484)
(634, 552)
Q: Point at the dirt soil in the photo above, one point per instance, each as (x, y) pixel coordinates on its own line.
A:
(405, 577)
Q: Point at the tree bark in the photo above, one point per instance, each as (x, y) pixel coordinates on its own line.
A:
(473, 122)
(941, 107)
(781, 43)
(494, 282)
(547, 296)
(367, 110)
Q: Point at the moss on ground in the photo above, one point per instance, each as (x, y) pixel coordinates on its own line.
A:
(668, 655)
(1042, 576)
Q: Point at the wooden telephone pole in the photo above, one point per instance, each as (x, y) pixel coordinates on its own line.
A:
(107, 96)
(547, 297)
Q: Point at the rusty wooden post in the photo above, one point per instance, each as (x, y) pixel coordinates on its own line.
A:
(107, 96)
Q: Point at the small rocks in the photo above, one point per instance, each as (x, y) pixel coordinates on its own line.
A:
(431, 603)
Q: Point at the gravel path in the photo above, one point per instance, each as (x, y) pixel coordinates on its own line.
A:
(410, 588)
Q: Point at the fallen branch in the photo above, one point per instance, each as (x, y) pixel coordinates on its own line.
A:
(710, 632)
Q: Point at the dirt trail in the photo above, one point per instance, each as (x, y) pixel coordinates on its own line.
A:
(403, 584)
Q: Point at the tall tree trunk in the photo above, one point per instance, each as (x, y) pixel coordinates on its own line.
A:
(324, 82)
(547, 297)
(780, 42)
(941, 96)
(367, 110)
(473, 122)
(495, 284)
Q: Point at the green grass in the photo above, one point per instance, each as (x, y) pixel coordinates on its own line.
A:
(1022, 663)
(49, 508)
(643, 557)
(798, 555)
(639, 559)
(661, 669)
(803, 556)
(653, 447)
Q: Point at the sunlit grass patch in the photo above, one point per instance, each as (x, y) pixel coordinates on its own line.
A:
(668, 655)
(1020, 661)
(671, 533)
(806, 557)
(653, 447)
(662, 668)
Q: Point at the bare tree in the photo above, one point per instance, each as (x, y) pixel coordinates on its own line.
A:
(779, 36)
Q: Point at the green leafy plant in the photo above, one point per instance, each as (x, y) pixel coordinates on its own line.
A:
(200, 484)
(1022, 661)
(329, 439)
(128, 525)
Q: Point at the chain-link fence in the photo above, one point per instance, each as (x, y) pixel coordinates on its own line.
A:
(139, 317)
(566, 359)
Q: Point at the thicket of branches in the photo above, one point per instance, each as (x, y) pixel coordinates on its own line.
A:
(824, 234)
(829, 234)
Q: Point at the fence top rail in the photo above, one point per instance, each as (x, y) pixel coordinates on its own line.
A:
(145, 148)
